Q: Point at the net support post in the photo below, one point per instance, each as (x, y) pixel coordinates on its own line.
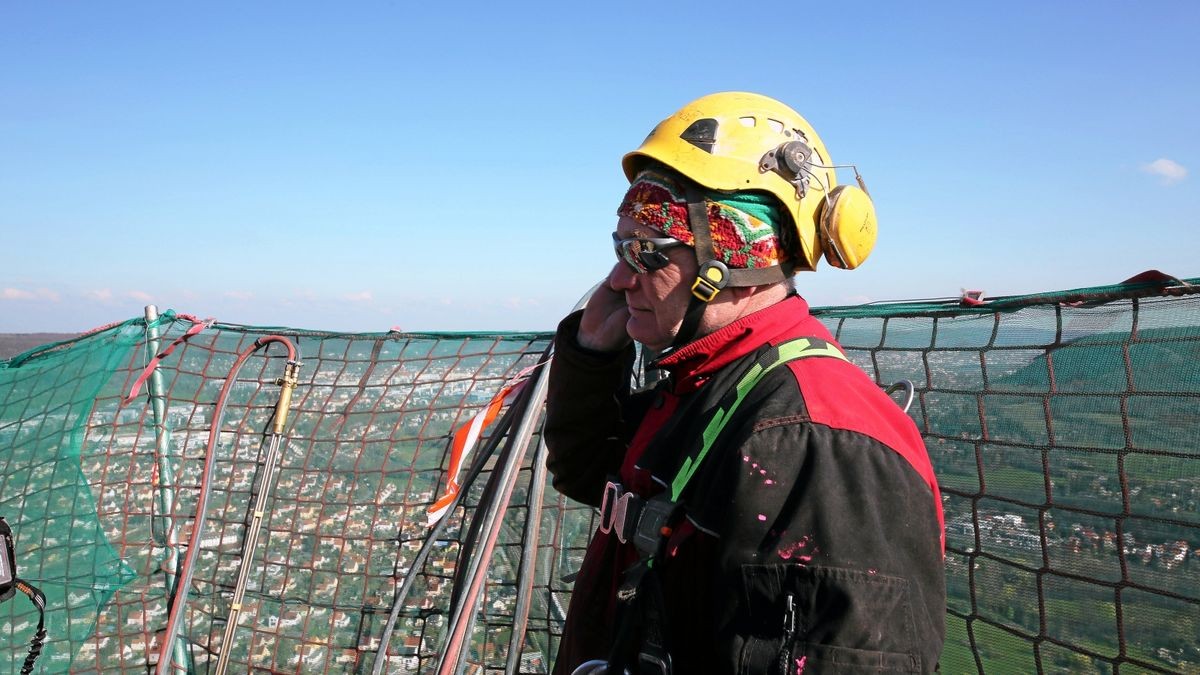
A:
(166, 478)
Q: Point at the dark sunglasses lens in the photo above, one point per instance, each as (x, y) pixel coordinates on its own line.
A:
(653, 260)
(629, 250)
(643, 255)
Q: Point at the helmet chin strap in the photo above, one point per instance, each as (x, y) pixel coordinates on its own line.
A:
(712, 275)
(691, 322)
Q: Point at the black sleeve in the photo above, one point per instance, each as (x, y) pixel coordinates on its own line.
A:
(590, 414)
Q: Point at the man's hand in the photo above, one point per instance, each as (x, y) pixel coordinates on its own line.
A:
(602, 327)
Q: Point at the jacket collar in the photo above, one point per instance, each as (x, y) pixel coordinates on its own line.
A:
(693, 364)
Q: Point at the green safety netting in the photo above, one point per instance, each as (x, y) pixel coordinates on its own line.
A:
(1061, 427)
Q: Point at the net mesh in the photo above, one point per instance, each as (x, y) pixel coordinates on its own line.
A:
(1063, 434)
(1060, 425)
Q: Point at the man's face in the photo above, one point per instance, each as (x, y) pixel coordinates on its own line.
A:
(657, 299)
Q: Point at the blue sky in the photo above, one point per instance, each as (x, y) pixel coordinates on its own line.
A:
(455, 166)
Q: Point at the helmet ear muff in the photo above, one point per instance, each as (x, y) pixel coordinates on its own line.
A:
(847, 227)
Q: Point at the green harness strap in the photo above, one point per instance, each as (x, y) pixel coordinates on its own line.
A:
(792, 350)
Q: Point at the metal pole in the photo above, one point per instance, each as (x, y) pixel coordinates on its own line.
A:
(266, 483)
(529, 551)
(248, 546)
(166, 479)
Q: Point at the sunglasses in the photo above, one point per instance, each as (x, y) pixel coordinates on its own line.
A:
(644, 254)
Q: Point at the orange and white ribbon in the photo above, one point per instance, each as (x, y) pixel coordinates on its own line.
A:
(468, 435)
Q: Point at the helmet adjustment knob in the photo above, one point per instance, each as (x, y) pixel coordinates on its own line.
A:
(789, 160)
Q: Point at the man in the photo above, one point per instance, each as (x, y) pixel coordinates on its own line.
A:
(766, 508)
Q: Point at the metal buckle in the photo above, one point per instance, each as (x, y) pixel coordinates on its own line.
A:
(654, 661)
(619, 511)
(612, 492)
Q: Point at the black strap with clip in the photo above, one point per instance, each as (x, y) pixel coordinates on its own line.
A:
(10, 583)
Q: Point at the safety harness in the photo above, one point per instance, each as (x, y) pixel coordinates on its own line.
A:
(10, 584)
(649, 523)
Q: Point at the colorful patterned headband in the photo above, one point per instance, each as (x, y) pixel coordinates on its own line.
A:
(745, 233)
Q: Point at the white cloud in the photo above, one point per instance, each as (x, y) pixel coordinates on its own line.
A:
(1170, 171)
(243, 296)
(99, 295)
(364, 296)
(44, 294)
(521, 303)
(15, 294)
(140, 296)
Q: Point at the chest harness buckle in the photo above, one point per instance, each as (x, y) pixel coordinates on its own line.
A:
(648, 523)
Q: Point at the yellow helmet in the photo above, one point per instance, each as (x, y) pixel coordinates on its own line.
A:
(736, 141)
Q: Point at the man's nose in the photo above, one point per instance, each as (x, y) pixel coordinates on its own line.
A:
(621, 278)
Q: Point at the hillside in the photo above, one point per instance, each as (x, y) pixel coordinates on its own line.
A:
(1159, 360)
(12, 344)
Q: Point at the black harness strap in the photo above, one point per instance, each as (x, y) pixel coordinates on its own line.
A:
(10, 583)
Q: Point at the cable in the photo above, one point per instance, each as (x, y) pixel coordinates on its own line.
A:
(476, 468)
(490, 515)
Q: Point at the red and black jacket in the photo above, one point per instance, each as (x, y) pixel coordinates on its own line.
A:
(819, 496)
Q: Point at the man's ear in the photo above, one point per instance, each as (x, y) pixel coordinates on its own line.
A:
(765, 294)
(742, 292)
